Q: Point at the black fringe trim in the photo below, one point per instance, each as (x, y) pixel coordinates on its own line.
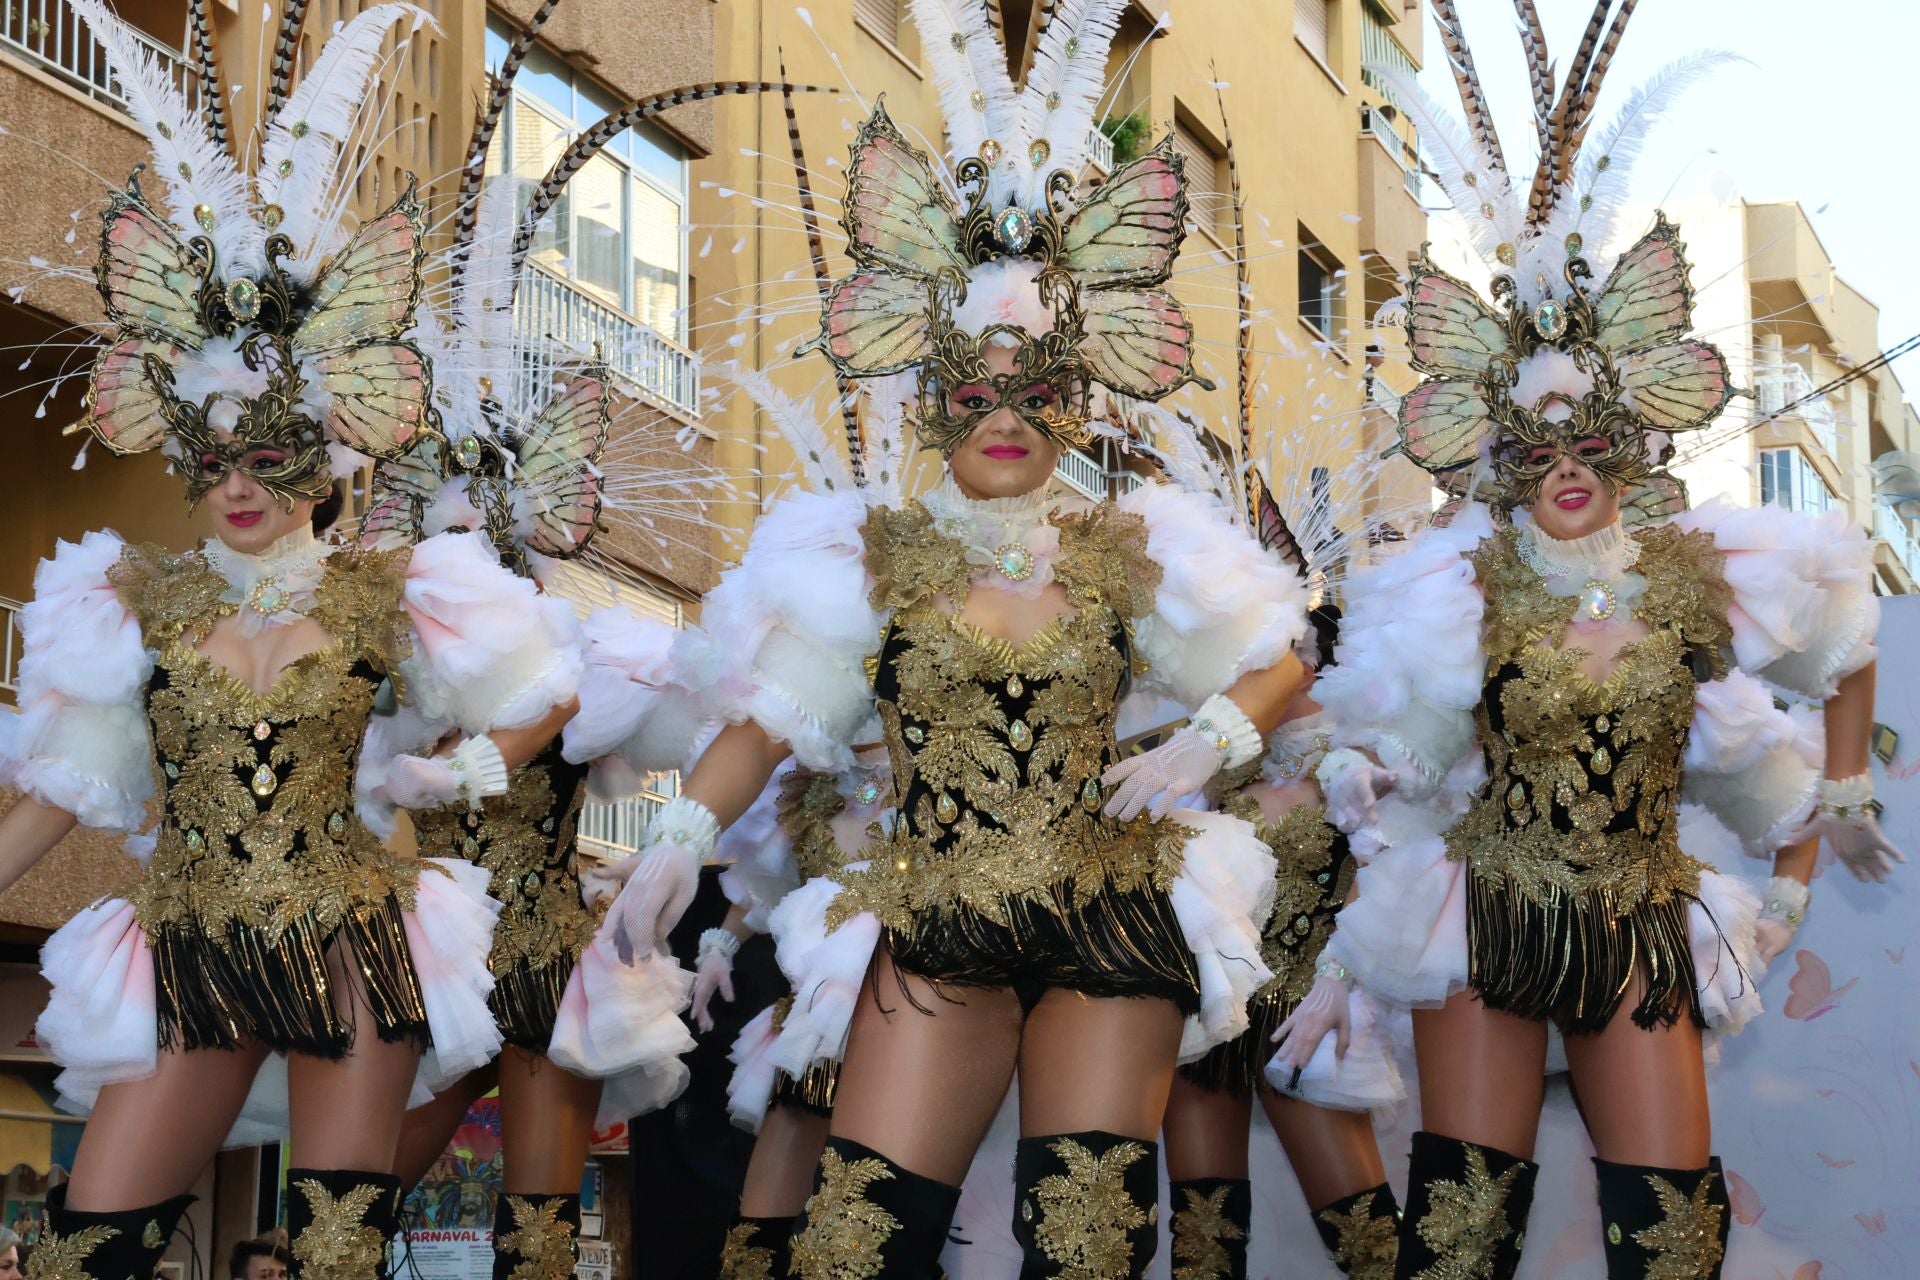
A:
(1239, 1067)
(1113, 944)
(812, 1092)
(526, 1002)
(277, 992)
(1573, 959)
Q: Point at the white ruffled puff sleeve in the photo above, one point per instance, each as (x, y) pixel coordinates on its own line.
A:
(79, 740)
(791, 628)
(640, 708)
(758, 856)
(1804, 613)
(1224, 607)
(1753, 766)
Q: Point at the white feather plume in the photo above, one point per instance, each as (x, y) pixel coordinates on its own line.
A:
(884, 428)
(1469, 175)
(334, 102)
(822, 467)
(965, 56)
(487, 275)
(196, 169)
(1184, 458)
(1063, 87)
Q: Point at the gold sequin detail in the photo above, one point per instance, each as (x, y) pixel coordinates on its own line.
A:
(805, 809)
(65, 1257)
(541, 1238)
(150, 1235)
(1466, 1222)
(1086, 1213)
(338, 1244)
(1200, 1232)
(1685, 1243)
(1366, 1245)
(845, 1231)
(741, 1259)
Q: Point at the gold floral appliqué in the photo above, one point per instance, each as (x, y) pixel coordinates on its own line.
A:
(1084, 1214)
(741, 1258)
(338, 1244)
(1685, 1243)
(543, 1241)
(1365, 1245)
(65, 1257)
(845, 1232)
(1200, 1232)
(1467, 1221)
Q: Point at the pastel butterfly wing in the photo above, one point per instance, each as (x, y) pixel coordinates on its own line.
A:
(368, 291)
(124, 407)
(1647, 298)
(379, 396)
(1449, 330)
(1129, 231)
(402, 488)
(876, 323)
(1443, 423)
(149, 277)
(1272, 528)
(1657, 498)
(1677, 385)
(896, 213)
(1138, 341)
(556, 479)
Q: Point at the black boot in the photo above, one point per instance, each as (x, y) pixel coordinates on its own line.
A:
(1211, 1217)
(536, 1237)
(77, 1245)
(1086, 1204)
(869, 1217)
(757, 1249)
(1670, 1223)
(1466, 1211)
(339, 1222)
(1362, 1232)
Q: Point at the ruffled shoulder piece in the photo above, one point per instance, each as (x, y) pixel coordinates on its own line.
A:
(1104, 559)
(170, 594)
(358, 603)
(910, 560)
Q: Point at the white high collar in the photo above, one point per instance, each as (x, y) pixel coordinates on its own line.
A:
(1007, 539)
(1605, 555)
(274, 587)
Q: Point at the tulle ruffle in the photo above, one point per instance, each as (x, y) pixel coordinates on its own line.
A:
(1756, 767)
(449, 937)
(750, 1087)
(637, 702)
(621, 1024)
(1366, 1079)
(1222, 898)
(826, 970)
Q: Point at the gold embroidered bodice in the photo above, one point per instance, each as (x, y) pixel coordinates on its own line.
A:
(806, 809)
(256, 790)
(1313, 873)
(526, 838)
(1584, 775)
(997, 749)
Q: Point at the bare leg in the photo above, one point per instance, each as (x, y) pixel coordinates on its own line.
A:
(1333, 1153)
(1205, 1133)
(430, 1128)
(347, 1112)
(147, 1140)
(1643, 1094)
(1106, 1064)
(780, 1174)
(920, 1087)
(546, 1118)
(1482, 1073)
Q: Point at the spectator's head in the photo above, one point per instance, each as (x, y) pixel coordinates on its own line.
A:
(11, 1263)
(259, 1260)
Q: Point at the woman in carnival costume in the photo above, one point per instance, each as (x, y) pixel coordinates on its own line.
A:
(1552, 708)
(257, 333)
(1017, 915)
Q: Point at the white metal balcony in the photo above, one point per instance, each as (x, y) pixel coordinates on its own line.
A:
(1379, 48)
(50, 35)
(663, 370)
(616, 830)
(1779, 382)
(1086, 477)
(1099, 149)
(9, 644)
(1392, 136)
(1893, 531)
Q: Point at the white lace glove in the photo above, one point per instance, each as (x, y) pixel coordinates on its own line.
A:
(1219, 737)
(662, 878)
(1352, 784)
(1327, 1007)
(713, 971)
(1845, 820)
(1780, 916)
(473, 772)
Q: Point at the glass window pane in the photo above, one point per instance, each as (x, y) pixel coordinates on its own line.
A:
(548, 79)
(537, 143)
(598, 192)
(497, 42)
(659, 157)
(656, 260)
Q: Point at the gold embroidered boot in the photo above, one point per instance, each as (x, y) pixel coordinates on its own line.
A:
(1362, 1232)
(869, 1219)
(1085, 1205)
(1211, 1218)
(1664, 1224)
(757, 1249)
(1466, 1213)
(77, 1245)
(339, 1222)
(535, 1237)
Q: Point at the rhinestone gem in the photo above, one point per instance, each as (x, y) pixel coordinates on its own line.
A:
(336, 825)
(1323, 877)
(273, 215)
(1486, 211)
(265, 781)
(1020, 736)
(1506, 253)
(1472, 179)
(1599, 600)
(1073, 46)
(161, 128)
(171, 769)
(946, 808)
(486, 385)
(990, 152)
(471, 845)
(1603, 724)
(903, 864)
(1574, 244)
(1550, 320)
(1015, 686)
(1604, 163)
(547, 826)
(915, 734)
(443, 397)
(1053, 102)
(262, 731)
(1013, 561)
(243, 298)
(1586, 203)
(978, 99)
(1520, 1242)
(1012, 229)
(195, 841)
(959, 41)
(869, 791)
(269, 597)
(531, 882)
(186, 171)
(284, 168)
(300, 129)
(1090, 794)
(1026, 1210)
(472, 820)
(1517, 797)
(203, 214)
(1040, 152)
(1303, 923)
(1602, 761)
(1613, 1233)
(468, 452)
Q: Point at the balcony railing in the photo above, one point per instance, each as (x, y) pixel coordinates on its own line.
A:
(550, 307)
(1392, 136)
(51, 35)
(1099, 149)
(1779, 382)
(1379, 48)
(616, 830)
(1081, 474)
(9, 644)
(1892, 530)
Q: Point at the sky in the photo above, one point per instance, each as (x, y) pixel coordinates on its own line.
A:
(1823, 115)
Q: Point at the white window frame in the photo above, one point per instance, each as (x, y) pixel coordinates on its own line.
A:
(1789, 479)
(1330, 291)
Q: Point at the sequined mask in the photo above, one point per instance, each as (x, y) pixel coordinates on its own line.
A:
(1596, 431)
(272, 421)
(1047, 390)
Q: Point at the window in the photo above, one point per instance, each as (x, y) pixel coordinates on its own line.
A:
(617, 232)
(1321, 279)
(1313, 27)
(1788, 480)
(1209, 189)
(883, 16)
